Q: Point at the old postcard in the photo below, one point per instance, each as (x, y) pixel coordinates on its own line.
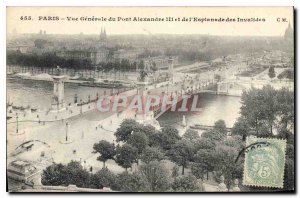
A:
(150, 99)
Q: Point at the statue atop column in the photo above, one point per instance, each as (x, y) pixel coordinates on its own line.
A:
(58, 100)
(58, 70)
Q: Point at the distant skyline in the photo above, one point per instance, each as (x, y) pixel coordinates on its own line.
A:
(271, 27)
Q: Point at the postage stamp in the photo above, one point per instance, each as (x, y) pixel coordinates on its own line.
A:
(264, 162)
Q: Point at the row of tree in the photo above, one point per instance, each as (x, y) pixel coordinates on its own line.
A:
(210, 153)
(46, 60)
(51, 60)
(151, 177)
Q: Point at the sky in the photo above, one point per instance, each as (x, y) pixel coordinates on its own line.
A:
(270, 27)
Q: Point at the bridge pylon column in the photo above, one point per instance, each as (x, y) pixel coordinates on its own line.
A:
(171, 69)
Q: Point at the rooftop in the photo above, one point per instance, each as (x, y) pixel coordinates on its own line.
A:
(20, 163)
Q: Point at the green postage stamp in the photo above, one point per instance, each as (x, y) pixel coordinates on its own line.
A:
(264, 162)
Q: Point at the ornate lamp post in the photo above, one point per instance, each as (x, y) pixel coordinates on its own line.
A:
(17, 117)
(67, 126)
(80, 106)
(67, 140)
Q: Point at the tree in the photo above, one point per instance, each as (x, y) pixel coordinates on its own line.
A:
(141, 66)
(289, 169)
(191, 134)
(77, 175)
(166, 138)
(125, 130)
(198, 170)
(72, 173)
(103, 178)
(241, 127)
(154, 67)
(156, 175)
(40, 43)
(269, 105)
(220, 127)
(225, 164)
(155, 140)
(213, 135)
(204, 143)
(235, 141)
(182, 153)
(106, 150)
(148, 130)
(187, 183)
(127, 182)
(152, 154)
(204, 162)
(126, 156)
(289, 174)
(217, 133)
(271, 72)
(285, 107)
(260, 108)
(125, 65)
(251, 101)
(139, 140)
(45, 60)
(290, 151)
(54, 175)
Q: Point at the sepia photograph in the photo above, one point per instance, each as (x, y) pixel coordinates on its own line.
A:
(150, 99)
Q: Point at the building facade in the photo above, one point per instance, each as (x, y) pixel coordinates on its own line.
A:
(21, 170)
(130, 55)
(95, 56)
(160, 61)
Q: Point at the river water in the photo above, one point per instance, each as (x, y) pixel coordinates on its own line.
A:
(39, 94)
